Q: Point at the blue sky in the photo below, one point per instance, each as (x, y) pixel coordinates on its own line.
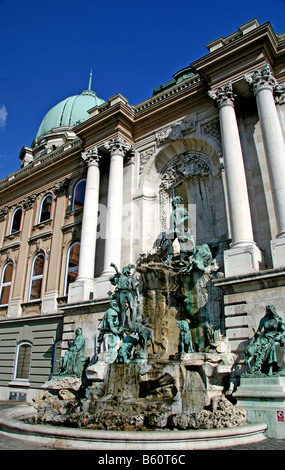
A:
(47, 50)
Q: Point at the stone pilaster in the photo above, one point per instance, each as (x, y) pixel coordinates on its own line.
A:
(243, 256)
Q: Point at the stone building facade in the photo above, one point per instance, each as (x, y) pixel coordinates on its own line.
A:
(96, 186)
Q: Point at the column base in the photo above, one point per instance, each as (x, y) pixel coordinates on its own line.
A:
(49, 302)
(103, 286)
(278, 252)
(242, 259)
(81, 290)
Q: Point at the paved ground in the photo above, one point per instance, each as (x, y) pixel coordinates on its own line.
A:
(7, 443)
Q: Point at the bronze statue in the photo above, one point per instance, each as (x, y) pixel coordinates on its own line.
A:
(185, 337)
(261, 351)
(126, 291)
(110, 323)
(74, 358)
(177, 230)
(145, 333)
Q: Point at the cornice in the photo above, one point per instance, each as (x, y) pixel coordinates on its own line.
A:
(117, 115)
(260, 40)
(110, 111)
(176, 104)
(117, 118)
(26, 179)
(166, 96)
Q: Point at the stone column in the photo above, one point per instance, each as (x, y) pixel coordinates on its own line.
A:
(118, 149)
(243, 256)
(84, 286)
(263, 84)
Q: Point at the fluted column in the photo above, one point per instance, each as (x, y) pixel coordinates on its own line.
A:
(118, 149)
(83, 288)
(243, 256)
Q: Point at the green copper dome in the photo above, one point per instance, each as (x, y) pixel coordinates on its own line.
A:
(70, 112)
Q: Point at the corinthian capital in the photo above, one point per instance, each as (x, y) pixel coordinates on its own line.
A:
(223, 96)
(279, 94)
(91, 156)
(261, 79)
(118, 146)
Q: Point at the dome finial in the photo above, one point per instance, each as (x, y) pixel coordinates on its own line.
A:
(90, 80)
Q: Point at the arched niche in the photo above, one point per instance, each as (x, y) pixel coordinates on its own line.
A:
(190, 168)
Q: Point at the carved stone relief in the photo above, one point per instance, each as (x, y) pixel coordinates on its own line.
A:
(3, 212)
(29, 201)
(213, 129)
(144, 156)
(176, 131)
(61, 187)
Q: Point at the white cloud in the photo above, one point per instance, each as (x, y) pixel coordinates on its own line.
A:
(3, 116)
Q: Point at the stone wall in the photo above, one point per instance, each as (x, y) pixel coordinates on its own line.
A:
(245, 299)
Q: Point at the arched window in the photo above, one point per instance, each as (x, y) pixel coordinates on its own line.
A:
(72, 262)
(23, 361)
(16, 220)
(6, 281)
(45, 212)
(35, 287)
(78, 195)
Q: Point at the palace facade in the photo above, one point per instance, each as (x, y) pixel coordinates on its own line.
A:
(96, 186)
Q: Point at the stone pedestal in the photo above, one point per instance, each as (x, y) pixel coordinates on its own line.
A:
(264, 401)
(213, 367)
(242, 259)
(108, 355)
(49, 302)
(63, 383)
(81, 289)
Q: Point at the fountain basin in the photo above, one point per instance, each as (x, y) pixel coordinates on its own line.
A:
(84, 439)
